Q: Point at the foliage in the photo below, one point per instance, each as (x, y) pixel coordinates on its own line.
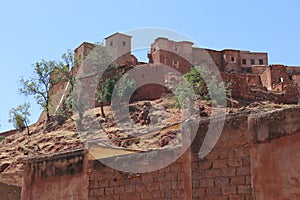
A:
(19, 116)
(2, 138)
(126, 86)
(39, 84)
(202, 81)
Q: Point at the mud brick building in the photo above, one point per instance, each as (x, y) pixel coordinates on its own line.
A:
(250, 74)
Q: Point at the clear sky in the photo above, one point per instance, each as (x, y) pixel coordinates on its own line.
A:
(34, 30)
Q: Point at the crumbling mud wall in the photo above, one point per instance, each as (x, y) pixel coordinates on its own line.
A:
(10, 192)
(255, 157)
(61, 176)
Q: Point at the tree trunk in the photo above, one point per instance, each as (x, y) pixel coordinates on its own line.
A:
(102, 110)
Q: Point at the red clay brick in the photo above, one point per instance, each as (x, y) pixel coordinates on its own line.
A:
(213, 155)
(205, 165)
(234, 162)
(246, 161)
(198, 174)
(212, 173)
(213, 191)
(153, 186)
(170, 194)
(166, 185)
(227, 154)
(237, 197)
(109, 190)
(221, 181)
(157, 194)
(129, 188)
(244, 189)
(242, 151)
(145, 195)
(199, 192)
(227, 190)
(141, 188)
(229, 171)
(131, 196)
(243, 170)
(238, 180)
(219, 164)
(147, 178)
(171, 176)
(207, 182)
(177, 185)
(119, 190)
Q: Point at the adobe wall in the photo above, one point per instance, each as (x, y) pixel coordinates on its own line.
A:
(265, 77)
(60, 176)
(229, 65)
(161, 56)
(254, 158)
(107, 183)
(279, 72)
(225, 172)
(10, 192)
(275, 155)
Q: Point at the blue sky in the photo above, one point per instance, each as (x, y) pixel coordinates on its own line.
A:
(34, 30)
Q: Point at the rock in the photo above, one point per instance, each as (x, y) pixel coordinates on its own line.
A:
(203, 114)
(4, 167)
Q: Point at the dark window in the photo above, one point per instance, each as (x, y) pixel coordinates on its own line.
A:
(261, 61)
(232, 59)
(175, 64)
(111, 43)
(244, 62)
(252, 62)
(291, 78)
(124, 43)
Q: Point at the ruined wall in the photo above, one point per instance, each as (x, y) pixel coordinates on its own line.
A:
(10, 192)
(278, 72)
(232, 60)
(265, 77)
(240, 88)
(60, 176)
(171, 59)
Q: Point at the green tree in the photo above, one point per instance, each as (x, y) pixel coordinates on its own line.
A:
(39, 84)
(126, 86)
(19, 116)
(201, 80)
(104, 93)
(100, 62)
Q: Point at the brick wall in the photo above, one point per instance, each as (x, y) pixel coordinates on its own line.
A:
(107, 183)
(225, 172)
(10, 192)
